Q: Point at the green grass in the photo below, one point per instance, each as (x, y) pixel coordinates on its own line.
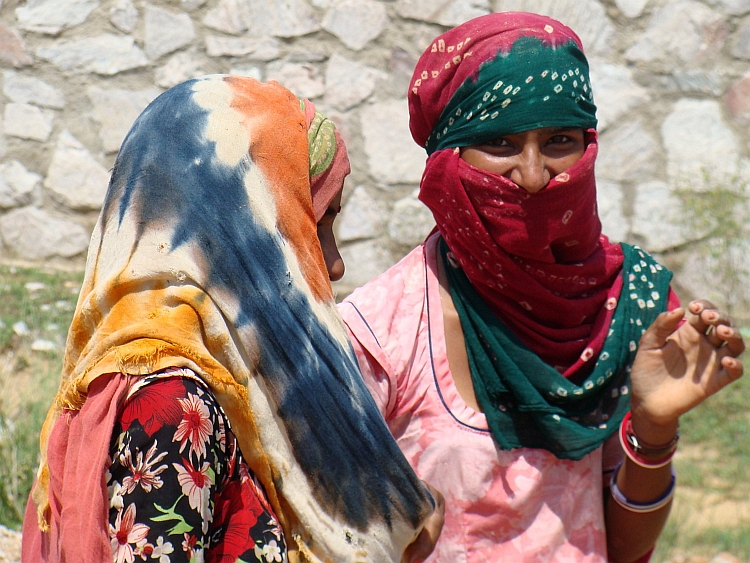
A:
(36, 307)
(712, 461)
(711, 468)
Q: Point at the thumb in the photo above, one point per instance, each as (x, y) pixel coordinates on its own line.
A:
(661, 329)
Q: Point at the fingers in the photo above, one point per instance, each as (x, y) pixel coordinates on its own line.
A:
(716, 326)
(421, 547)
(731, 370)
(664, 325)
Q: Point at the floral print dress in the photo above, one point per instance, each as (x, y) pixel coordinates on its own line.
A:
(179, 489)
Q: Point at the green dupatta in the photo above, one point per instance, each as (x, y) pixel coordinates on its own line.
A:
(527, 402)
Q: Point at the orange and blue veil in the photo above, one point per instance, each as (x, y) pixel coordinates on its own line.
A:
(205, 256)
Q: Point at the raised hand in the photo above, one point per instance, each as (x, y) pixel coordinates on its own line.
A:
(680, 364)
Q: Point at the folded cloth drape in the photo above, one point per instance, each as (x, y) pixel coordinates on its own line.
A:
(205, 256)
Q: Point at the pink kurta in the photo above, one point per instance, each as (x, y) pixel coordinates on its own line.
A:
(519, 505)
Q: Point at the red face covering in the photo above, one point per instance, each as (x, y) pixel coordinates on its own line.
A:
(538, 260)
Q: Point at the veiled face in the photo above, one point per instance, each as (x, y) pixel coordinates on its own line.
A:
(530, 158)
(333, 260)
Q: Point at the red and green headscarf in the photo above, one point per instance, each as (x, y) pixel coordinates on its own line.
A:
(539, 289)
(496, 75)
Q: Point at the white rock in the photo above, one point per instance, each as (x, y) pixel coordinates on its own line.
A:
(302, 79)
(105, 54)
(348, 82)
(631, 8)
(362, 217)
(587, 18)
(741, 46)
(615, 91)
(30, 90)
(180, 66)
(451, 13)
(17, 184)
(28, 122)
(34, 286)
(280, 18)
(75, 178)
(699, 144)
(191, 5)
(166, 31)
(686, 31)
(717, 271)
(21, 328)
(733, 7)
(627, 152)
(657, 217)
(42, 345)
(53, 16)
(411, 221)
(392, 155)
(34, 234)
(256, 48)
(249, 71)
(704, 82)
(116, 110)
(364, 260)
(609, 201)
(356, 22)
(124, 15)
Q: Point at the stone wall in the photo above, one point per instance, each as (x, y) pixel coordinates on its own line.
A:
(671, 79)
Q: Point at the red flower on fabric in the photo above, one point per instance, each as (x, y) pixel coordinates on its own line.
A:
(195, 483)
(126, 536)
(188, 544)
(237, 510)
(155, 405)
(195, 426)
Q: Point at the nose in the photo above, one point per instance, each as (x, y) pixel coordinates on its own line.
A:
(331, 256)
(530, 171)
(335, 267)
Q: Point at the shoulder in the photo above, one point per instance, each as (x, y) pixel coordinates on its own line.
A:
(389, 304)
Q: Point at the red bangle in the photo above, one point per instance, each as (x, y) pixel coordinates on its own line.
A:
(645, 455)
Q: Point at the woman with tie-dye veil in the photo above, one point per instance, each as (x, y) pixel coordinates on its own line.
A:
(210, 406)
(510, 353)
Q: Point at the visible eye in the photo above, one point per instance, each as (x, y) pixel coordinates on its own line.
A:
(560, 140)
(501, 142)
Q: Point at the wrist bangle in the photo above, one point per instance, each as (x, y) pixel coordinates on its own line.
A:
(645, 455)
(640, 507)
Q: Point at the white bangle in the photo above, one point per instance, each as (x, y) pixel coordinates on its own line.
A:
(640, 507)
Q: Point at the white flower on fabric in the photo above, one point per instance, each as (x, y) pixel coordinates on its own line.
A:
(126, 536)
(195, 426)
(196, 485)
(114, 492)
(143, 471)
(272, 552)
(162, 550)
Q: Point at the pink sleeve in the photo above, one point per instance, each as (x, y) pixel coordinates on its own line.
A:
(372, 361)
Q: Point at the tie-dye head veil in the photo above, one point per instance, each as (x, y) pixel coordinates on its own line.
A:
(205, 256)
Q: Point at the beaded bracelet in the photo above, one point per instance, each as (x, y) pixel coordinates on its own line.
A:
(645, 455)
(640, 507)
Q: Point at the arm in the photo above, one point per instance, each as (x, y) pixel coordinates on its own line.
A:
(677, 367)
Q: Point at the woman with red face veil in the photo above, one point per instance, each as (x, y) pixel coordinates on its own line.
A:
(530, 369)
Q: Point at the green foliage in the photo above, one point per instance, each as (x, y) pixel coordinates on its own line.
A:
(716, 219)
(36, 308)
